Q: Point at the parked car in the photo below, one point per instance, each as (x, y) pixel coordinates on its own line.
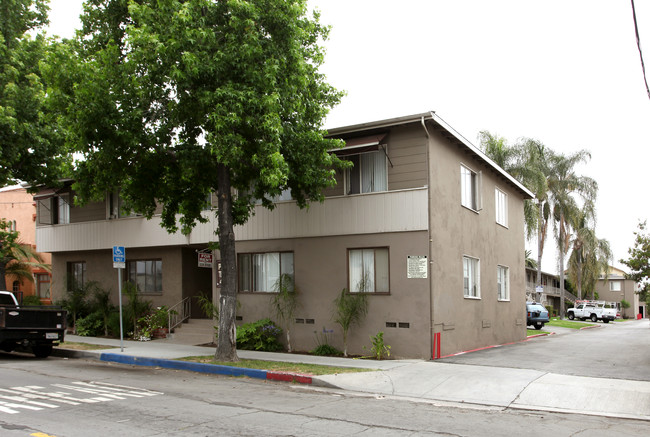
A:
(30, 328)
(593, 310)
(536, 315)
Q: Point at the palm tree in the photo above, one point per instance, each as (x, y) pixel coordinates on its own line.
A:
(16, 258)
(590, 256)
(533, 168)
(564, 184)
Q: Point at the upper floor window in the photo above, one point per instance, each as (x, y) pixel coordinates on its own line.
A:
(63, 209)
(76, 274)
(503, 283)
(146, 275)
(369, 173)
(471, 277)
(368, 270)
(260, 272)
(470, 188)
(501, 206)
(614, 285)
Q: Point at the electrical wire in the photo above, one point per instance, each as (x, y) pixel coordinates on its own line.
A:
(638, 44)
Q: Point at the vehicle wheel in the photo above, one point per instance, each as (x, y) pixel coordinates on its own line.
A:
(42, 350)
(539, 326)
(594, 318)
(571, 316)
(605, 320)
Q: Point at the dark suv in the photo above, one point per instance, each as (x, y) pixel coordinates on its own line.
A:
(536, 315)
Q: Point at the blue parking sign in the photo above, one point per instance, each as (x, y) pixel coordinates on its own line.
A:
(119, 257)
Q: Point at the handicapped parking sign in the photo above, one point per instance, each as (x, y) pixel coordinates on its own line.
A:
(119, 257)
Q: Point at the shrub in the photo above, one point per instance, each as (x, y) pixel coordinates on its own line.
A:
(113, 324)
(90, 326)
(31, 300)
(350, 310)
(379, 349)
(323, 346)
(259, 336)
(326, 349)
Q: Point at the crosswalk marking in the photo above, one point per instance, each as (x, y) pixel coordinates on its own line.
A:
(35, 398)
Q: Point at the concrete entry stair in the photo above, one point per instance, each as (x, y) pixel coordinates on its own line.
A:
(193, 332)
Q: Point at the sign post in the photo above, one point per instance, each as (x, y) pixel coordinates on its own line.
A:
(119, 262)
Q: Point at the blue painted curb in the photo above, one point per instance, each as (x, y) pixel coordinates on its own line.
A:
(184, 365)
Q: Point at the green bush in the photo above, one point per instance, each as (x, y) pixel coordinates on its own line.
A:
(326, 349)
(31, 300)
(113, 324)
(90, 326)
(259, 336)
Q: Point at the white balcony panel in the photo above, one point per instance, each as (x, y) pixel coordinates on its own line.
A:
(393, 211)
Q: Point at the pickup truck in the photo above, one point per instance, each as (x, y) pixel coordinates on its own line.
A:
(593, 310)
(30, 328)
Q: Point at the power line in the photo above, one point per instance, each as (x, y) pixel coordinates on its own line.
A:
(638, 44)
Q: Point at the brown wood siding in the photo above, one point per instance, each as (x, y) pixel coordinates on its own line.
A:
(90, 212)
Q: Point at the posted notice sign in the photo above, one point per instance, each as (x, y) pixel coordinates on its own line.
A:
(119, 257)
(205, 260)
(416, 267)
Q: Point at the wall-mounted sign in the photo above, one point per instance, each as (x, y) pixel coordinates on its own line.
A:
(205, 260)
(416, 266)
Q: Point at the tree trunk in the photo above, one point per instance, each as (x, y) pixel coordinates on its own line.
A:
(540, 246)
(3, 279)
(561, 266)
(227, 334)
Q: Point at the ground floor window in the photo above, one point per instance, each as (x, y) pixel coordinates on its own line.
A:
(43, 285)
(471, 277)
(15, 286)
(146, 275)
(503, 283)
(260, 272)
(76, 274)
(368, 270)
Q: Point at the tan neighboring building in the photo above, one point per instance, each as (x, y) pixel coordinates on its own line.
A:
(19, 209)
(424, 222)
(618, 288)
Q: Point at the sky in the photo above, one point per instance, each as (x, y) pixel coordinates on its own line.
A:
(567, 73)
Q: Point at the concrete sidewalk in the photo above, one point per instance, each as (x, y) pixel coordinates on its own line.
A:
(495, 387)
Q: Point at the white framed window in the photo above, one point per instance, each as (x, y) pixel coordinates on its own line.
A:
(501, 206)
(503, 283)
(146, 275)
(614, 285)
(63, 209)
(260, 272)
(471, 277)
(369, 173)
(470, 183)
(368, 270)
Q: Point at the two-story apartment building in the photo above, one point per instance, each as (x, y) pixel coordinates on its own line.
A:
(18, 209)
(424, 222)
(617, 288)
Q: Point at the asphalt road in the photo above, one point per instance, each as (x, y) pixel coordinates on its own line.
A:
(76, 397)
(619, 350)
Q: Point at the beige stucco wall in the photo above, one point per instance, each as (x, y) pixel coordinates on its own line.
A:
(321, 273)
(627, 292)
(467, 323)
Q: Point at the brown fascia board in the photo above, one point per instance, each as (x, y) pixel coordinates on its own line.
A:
(447, 131)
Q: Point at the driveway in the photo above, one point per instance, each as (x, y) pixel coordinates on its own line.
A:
(618, 350)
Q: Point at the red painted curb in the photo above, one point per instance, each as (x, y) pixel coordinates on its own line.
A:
(288, 377)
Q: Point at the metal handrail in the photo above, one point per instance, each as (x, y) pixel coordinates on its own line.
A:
(178, 313)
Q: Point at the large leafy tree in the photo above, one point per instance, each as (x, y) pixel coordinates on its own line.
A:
(590, 255)
(29, 140)
(639, 260)
(566, 190)
(170, 100)
(16, 258)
